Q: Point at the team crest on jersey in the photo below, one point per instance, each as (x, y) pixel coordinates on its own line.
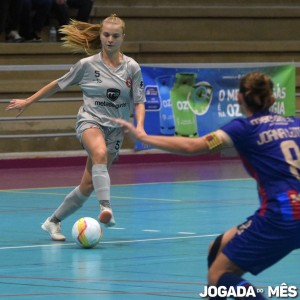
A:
(129, 82)
(113, 94)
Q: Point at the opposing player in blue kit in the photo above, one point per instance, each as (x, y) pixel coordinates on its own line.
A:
(269, 148)
(112, 86)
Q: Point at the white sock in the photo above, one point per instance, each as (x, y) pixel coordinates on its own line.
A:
(101, 181)
(72, 202)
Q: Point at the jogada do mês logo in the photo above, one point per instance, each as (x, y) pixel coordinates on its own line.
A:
(282, 291)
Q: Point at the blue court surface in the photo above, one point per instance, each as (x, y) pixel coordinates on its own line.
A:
(157, 250)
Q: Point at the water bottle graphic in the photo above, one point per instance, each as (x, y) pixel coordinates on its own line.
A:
(184, 119)
(166, 118)
(152, 97)
(200, 98)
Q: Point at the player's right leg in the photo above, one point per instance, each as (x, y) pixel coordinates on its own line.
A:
(72, 202)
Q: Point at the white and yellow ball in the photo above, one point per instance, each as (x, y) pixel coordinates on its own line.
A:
(87, 232)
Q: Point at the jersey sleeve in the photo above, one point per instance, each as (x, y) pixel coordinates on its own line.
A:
(73, 77)
(236, 130)
(138, 92)
(224, 137)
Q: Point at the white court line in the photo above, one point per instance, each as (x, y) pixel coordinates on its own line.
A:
(116, 228)
(113, 242)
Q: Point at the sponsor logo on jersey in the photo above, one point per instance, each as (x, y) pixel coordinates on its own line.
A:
(113, 94)
(110, 104)
(142, 84)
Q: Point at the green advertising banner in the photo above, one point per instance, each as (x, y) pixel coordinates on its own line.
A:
(194, 101)
(284, 81)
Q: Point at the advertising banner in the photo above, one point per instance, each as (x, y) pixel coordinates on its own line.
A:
(194, 101)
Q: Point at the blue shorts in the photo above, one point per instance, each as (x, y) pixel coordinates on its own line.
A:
(260, 243)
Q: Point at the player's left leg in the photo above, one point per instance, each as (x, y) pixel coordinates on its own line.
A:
(224, 272)
(93, 140)
(257, 245)
(216, 247)
(106, 214)
(113, 139)
(87, 187)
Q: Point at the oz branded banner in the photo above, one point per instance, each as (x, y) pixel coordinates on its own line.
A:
(194, 101)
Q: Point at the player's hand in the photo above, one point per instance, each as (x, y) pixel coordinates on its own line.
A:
(129, 128)
(18, 104)
(140, 131)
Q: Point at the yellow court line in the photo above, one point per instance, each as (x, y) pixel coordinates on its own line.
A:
(33, 190)
(134, 184)
(113, 242)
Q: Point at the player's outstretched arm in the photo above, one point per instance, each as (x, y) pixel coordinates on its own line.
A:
(174, 144)
(44, 92)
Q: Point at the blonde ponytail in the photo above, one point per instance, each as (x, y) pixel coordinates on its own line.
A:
(81, 36)
(85, 37)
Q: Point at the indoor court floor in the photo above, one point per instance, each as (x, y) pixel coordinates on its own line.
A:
(166, 214)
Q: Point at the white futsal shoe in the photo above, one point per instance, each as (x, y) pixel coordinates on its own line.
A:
(54, 230)
(106, 216)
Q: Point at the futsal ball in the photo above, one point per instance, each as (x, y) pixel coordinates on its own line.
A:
(87, 232)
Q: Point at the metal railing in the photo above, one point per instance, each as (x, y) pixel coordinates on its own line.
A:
(40, 118)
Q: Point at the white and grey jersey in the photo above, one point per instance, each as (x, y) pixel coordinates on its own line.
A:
(106, 92)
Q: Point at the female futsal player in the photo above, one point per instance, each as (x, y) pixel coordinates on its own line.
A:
(112, 85)
(269, 147)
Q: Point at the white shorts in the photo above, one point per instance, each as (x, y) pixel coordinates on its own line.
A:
(113, 136)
